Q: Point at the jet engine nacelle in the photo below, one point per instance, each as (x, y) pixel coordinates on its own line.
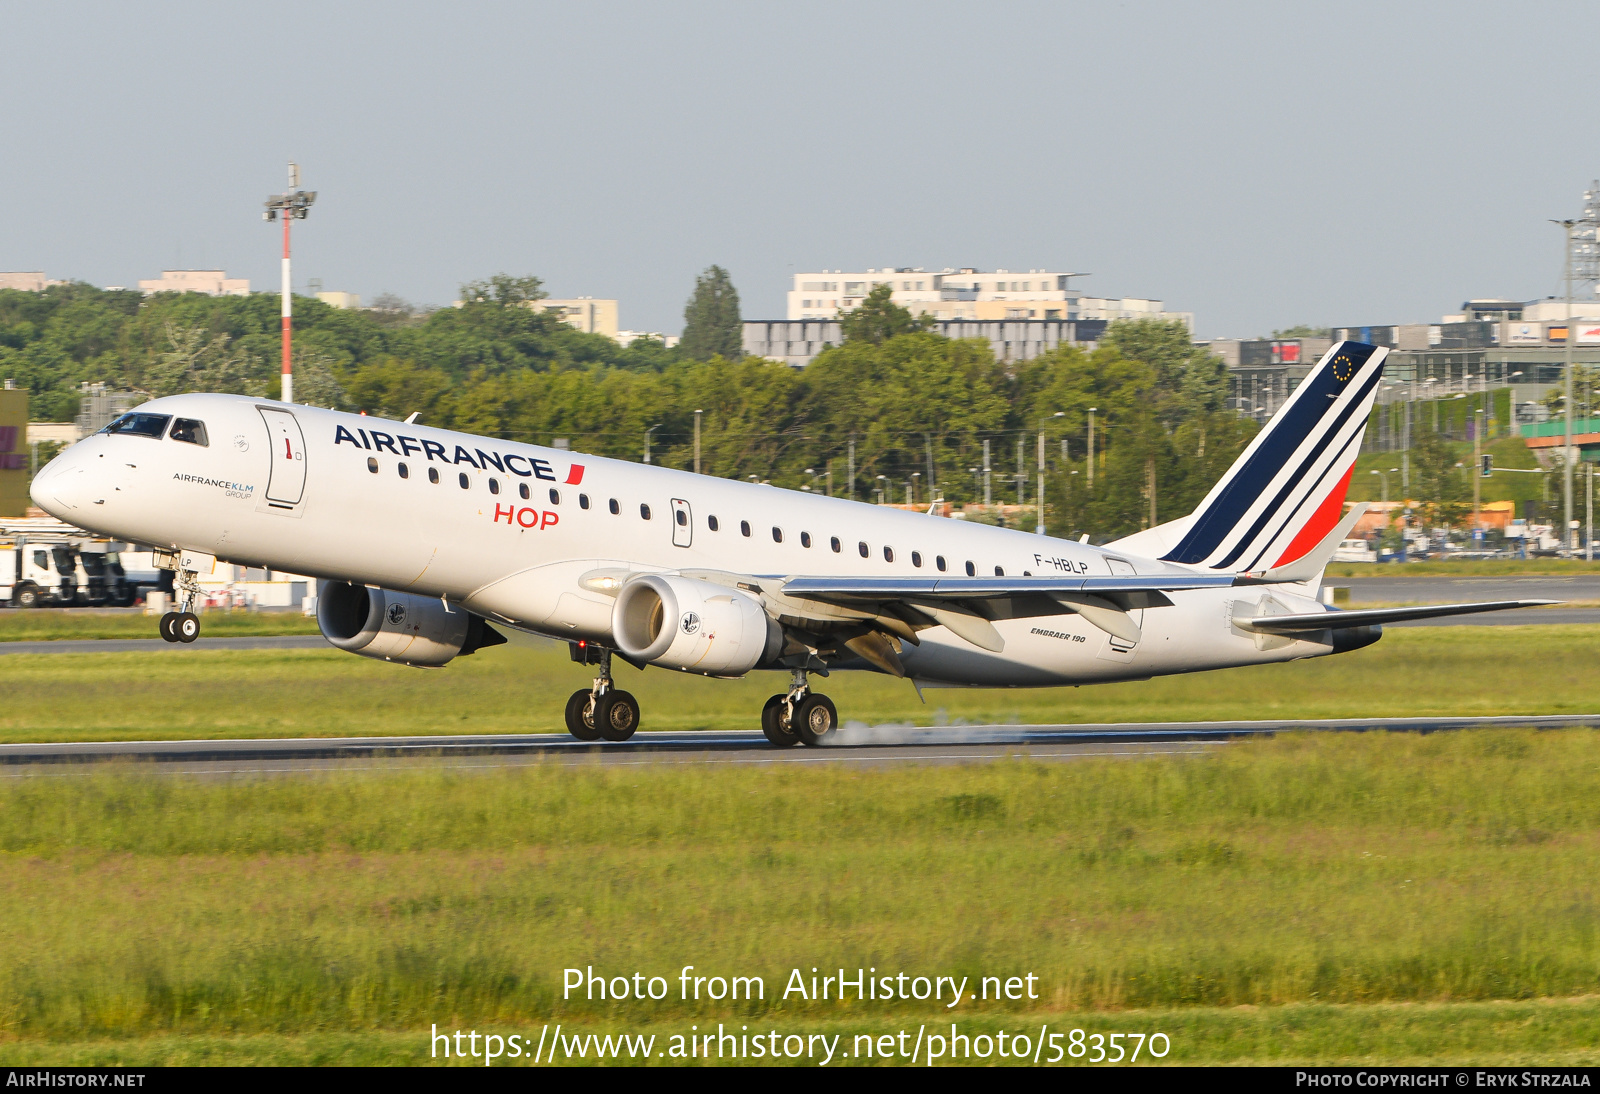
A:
(401, 627)
(681, 623)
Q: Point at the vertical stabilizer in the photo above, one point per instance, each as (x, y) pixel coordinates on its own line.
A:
(1285, 494)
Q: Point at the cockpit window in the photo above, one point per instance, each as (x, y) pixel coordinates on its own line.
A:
(140, 425)
(189, 431)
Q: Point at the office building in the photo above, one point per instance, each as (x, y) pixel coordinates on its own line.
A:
(797, 342)
(27, 281)
(967, 294)
(588, 314)
(209, 282)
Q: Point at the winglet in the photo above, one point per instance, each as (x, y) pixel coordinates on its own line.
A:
(1309, 565)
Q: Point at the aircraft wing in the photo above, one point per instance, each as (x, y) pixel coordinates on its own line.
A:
(986, 588)
(968, 605)
(1367, 617)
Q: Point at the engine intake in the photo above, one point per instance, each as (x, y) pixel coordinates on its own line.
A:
(401, 627)
(682, 623)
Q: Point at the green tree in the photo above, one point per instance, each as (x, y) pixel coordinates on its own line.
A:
(1190, 379)
(197, 360)
(1441, 489)
(711, 323)
(878, 318)
(1300, 330)
(504, 290)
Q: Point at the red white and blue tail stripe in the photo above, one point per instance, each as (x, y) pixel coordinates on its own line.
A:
(1284, 495)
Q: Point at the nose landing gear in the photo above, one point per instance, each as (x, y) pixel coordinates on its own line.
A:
(183, 625)
(799, 716)
(601, 711)
(180, 627)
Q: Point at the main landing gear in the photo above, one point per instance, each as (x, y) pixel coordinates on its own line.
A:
(183, 625)
(602, 711)
(799, 716)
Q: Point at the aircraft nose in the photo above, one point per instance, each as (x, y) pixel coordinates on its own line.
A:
(58, 489)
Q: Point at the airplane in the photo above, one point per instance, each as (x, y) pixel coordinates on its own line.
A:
(427, 544)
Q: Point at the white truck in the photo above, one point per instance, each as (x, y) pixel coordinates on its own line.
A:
(48, 564)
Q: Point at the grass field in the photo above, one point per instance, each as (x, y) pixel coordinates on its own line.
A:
(1338, 898)
(1502, 567)
(48, 624)
(170, 694)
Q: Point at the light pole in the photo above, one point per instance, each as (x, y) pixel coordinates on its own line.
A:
(1091, 448)
(915, 475)
(883, 481)
(1039, 528)
(647, 433)
(1477, 472)
(1566, 451)
(291, 206)
(697, 441)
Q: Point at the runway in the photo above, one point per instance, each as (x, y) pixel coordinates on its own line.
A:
(1391, 585)
(1443, 590)
(857, 744)
(154, 645)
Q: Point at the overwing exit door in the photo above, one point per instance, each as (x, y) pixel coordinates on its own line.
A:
(682, 523)
(286, 483)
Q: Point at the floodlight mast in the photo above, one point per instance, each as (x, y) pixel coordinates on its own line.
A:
(291, 206)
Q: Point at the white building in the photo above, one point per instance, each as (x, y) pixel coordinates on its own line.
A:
(27, 281)
(967, 294)
(210, 282)
(344, 301)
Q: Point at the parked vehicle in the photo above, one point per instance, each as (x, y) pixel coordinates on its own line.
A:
(1354, 550)
(49, 564)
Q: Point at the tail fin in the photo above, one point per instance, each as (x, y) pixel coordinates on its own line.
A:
(1284, 495)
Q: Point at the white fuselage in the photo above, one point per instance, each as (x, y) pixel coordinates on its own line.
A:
(518, 559)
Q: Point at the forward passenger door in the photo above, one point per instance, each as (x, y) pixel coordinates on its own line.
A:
(682, 523)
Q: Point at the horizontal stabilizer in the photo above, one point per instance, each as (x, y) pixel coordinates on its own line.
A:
(1368, 617)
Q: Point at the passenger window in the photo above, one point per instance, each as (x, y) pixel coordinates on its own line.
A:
(615, 508)
(583, 501)
(682, 518)
(494, 485)
(462, 479)
(644, 511)
(140, 425)
(372, 465)
(433, 475)
(834, 543)
(777, 535)
(972, 571)
(555, 497)
(998, 572)
(711, 523)
(189, 431)
(939, 562)
(862, 547)
(805, 539)
(916, 559)
(744, 527)
(888, 554)
(522, 490)
(405, 472)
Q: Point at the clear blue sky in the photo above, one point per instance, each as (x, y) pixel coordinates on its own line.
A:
(1257, 164)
